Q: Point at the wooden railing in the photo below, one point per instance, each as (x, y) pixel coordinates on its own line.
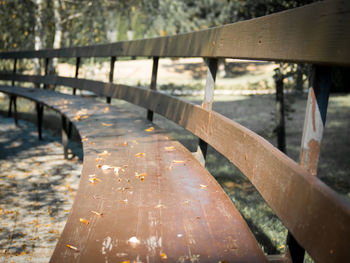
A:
(316, 216)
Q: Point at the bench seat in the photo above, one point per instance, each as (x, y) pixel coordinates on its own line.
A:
(142, 195)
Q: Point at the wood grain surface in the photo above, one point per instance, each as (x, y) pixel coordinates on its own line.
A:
(318, 33)
(177, 211)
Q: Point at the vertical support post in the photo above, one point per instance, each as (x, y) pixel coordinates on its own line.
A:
(13, 98)
(207, 104)
(153, 83)
(39, 111)
(111, 75)
(280, 129)
(47, 60)
(77, 64)
(315, 120)
(64, 137)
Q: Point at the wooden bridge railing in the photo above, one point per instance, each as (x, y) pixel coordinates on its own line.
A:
(319, 34)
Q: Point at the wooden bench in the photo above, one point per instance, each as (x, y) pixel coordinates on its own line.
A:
(144, 197)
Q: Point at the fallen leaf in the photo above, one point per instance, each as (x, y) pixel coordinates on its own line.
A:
(125, 144)
(159, 206)
(106, 124)
(104, 153)
(186, 202)
(140, 175)
(126, 261)
(202, 186)
(163, 255)
(178, 161)
(84, 221)
(124, 201)
(169, 148)
(106, 167)
(94, 180)
(106, 109)
(92, 175)
(96, 213)
(84, 139)
(98, 165)
(78, 117)
(135, 142)
(98, 159)
(150, 129)
(140, 154)
(72, 247)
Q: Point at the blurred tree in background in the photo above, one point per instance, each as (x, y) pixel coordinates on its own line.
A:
(28, 24)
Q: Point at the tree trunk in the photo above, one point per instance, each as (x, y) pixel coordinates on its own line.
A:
(38, 34)
(58, 33)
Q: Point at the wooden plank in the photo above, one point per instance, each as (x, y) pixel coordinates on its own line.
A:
(187, 216)
(271, 172)
(308, 34)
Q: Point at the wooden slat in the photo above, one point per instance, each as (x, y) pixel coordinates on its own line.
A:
(317, 33)
(169, 212)
(270, 171)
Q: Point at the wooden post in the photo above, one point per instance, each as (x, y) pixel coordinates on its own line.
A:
(280, 128)
(77, 65)
(39, 111)
(64, 136)
(153, 83)
(207, 104)
(12, 97)
(315, 120)
(47, 60)
(111, 75)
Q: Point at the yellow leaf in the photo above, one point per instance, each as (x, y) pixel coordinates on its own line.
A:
(106, 109)
(104, 153)
(84, 221)
(98, 165)
(84, 139)
(169, 148)
(106, 124)
(140, 154)
(96, 213)
(72, 247)
(140, 175)
(78, 117)
(106, 167)
(163, 255)
(150, 129)
(125, 143)
(94, 180)
(178, 161)
(203, 186)
(98, 159)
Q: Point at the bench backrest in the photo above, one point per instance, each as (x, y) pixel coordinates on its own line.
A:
(318, 34)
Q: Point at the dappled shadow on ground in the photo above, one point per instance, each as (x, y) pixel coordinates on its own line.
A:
(37, 187)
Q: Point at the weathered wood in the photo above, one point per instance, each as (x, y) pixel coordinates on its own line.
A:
(263, 165)
(315, 117)
(207, 104)
(153, 85)
(308, 34)
(315, 120)
(186, 216)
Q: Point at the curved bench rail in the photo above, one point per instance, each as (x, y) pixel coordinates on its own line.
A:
(273, 173)
(307, 34)
(168, 211)
(316, 216)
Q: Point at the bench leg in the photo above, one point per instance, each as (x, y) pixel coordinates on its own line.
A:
(39, 112)
(65, 136)
(10, 106)
(69, 131)
(108, 100)
(15, 110)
